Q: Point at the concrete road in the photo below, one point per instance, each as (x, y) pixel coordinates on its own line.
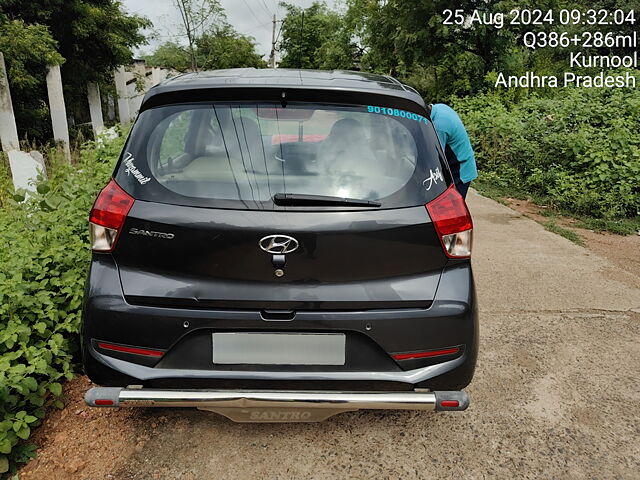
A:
(556, 393)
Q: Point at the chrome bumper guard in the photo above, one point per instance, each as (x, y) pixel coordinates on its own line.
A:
(278, 405)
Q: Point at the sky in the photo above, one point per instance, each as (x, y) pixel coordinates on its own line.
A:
(250, 17)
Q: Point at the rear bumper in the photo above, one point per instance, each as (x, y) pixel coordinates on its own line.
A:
(261, 405)
(183, 336)
(145, 374)
(373, 336)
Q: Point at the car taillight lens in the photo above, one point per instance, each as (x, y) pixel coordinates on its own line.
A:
(107, 216)
(451, 218)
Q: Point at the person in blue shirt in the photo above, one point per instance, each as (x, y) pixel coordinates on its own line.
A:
(456, 145)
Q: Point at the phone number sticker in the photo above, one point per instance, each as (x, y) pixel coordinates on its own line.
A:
(395, 112)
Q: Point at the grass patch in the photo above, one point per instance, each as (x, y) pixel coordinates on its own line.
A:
(499, 191)
(548, 212)
(624, 226)
(495, 191)
(553, 227)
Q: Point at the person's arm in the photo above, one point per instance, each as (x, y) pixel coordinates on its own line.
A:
(464, 151)
(440, 124)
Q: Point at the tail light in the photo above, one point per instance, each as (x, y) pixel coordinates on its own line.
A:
(451, 218)
(107, 217)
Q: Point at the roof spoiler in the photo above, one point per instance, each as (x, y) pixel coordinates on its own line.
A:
(161, 95)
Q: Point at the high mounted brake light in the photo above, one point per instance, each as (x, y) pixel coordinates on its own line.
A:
(107, 216)
(452, 221)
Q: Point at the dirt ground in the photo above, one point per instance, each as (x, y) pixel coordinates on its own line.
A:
(616, 248)
(556, 392)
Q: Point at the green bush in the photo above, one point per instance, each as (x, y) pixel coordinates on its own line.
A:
(6, 183)
(44, 255)
(579, 150)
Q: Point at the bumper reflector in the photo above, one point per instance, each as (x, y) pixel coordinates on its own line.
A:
(135, 350)
(427, 354)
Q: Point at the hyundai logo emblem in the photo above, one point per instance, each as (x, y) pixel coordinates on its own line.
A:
(278, 244)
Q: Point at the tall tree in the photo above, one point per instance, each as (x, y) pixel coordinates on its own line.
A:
(28, 51)
(316, 37)
(198, 17)
(222, 47)
(93, 37)
(171, 55)
(407, 38)
(225, 48)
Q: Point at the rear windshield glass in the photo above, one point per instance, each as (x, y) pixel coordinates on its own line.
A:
(241, 155)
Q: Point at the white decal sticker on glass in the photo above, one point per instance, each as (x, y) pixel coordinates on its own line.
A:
(434, 176)
(132, 169)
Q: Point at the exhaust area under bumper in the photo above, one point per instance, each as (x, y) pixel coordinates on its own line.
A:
(276, 405)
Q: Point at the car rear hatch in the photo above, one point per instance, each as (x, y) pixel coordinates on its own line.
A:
(265, 206)
(352, 260)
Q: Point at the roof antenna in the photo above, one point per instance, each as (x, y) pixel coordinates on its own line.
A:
(283, 101)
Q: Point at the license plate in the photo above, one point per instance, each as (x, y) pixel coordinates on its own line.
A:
(279, 348)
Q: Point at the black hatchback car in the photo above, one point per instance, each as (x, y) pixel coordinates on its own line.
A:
(281, 245)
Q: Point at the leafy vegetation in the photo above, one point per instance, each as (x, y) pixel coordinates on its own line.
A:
(577, 151)
(44, 253)
(408, 39)
(620, 226)
(222, 47)
(28, 50)
(316, 37)
(6, 183)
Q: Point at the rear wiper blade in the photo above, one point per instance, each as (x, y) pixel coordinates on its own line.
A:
(299, 199)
